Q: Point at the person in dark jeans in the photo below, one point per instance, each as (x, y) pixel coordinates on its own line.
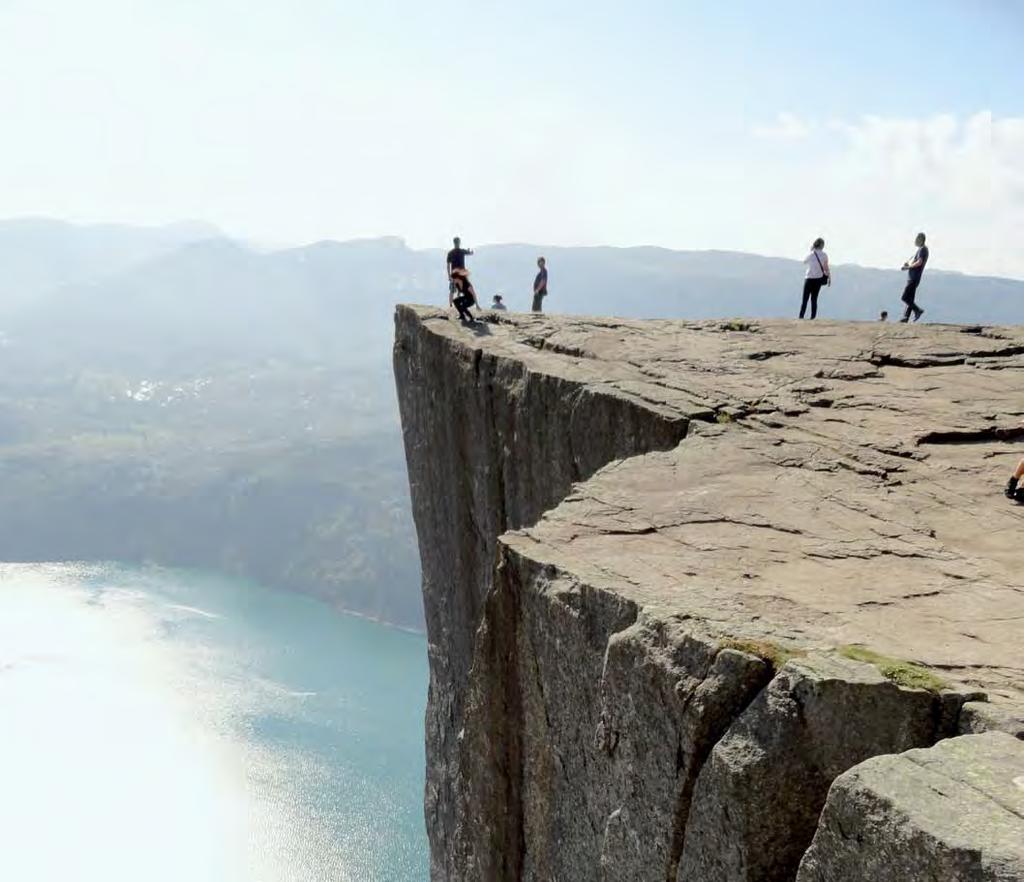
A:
(463, 296)
(915, 269)
(455, 260)
(540, 285)
(816, 277)
(1013, 489)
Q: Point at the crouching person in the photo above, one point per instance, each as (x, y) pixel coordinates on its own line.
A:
(462, 296)
(1013, 488)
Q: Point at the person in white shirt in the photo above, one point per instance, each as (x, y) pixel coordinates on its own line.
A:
(817, 276)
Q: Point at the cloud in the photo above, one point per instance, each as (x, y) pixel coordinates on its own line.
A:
(962, 176)
(868, 184)
(786, 127)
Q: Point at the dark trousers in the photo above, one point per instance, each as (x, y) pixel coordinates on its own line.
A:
(538, 300)
(462, 303)
(909, 293)
(811, 289)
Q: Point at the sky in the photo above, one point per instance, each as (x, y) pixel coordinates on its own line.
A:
(747, 126)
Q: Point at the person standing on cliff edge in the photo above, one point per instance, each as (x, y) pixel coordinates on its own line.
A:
(456, 260)
(540, 285)
(817, 276)
(915, 269)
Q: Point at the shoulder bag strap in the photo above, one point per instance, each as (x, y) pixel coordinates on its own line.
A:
(824, 274)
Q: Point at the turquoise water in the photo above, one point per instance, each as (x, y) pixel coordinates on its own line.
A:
(168, 725)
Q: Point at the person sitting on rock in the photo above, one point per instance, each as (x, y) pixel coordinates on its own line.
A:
(463, 296)
(1013, 491)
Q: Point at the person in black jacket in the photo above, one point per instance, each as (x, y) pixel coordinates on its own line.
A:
(455, 260)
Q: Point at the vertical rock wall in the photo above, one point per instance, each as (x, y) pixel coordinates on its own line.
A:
(490, 445)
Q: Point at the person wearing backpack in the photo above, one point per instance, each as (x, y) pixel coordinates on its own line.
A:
(816, 277)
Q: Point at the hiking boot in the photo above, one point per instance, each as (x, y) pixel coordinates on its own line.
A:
(1011, 489)
(918, 313)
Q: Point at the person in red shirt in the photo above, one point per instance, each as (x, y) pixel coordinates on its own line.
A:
(463, 296)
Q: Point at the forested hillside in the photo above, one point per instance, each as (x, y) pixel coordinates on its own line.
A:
(171, 395)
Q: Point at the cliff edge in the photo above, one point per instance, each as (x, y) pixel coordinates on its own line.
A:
(718, 600)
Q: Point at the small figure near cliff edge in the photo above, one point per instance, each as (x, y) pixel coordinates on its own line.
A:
(915, 269)
(463, 296)
(1013, 490)
(540, 285)
(455, 260)
(883, 316)
(498, 304)
(817, 276)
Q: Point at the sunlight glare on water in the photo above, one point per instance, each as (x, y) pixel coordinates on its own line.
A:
(155, 727)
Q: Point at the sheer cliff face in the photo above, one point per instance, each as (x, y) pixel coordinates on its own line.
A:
(644, 547)
(490, 445)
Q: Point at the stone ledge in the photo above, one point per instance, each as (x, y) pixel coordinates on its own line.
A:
(953, 812)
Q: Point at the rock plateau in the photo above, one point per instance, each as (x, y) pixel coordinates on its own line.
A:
(718, 600)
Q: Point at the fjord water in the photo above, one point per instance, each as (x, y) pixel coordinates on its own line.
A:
(168, 725)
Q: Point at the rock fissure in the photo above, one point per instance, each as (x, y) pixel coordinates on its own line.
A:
(702, 750)
(973, 436)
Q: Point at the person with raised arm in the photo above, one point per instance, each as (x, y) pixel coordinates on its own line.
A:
(455, 260)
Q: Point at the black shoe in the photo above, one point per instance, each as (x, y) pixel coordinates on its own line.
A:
(918, 313)
(1011, 488)
(905, 319)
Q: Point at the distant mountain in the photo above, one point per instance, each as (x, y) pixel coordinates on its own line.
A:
(39, 254)
(146, 298)
(169, 394)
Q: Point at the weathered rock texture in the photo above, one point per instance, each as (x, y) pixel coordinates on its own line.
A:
(646, 547)
(954, 812)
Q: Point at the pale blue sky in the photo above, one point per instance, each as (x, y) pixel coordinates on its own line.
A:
(752, 126)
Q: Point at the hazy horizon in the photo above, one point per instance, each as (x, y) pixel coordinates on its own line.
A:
(217, 232)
